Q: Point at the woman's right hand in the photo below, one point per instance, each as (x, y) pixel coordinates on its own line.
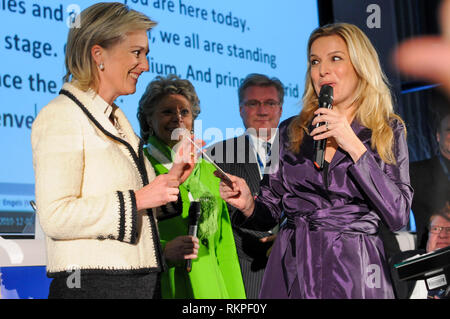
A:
(162, 190)
(238, 194)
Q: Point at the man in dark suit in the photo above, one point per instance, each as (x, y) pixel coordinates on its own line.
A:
(250, 156)
(431, 178)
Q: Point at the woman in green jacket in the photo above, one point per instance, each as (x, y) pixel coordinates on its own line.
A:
(169, 104)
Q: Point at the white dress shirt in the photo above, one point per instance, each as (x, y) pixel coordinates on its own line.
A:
(258, 146)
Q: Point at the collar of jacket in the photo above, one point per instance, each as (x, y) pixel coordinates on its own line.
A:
(132, 147)
(90, 101)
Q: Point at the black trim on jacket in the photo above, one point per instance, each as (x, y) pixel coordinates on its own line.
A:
(140, 164)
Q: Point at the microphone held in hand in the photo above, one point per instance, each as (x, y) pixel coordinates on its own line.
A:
(194, 217)
(325, 100)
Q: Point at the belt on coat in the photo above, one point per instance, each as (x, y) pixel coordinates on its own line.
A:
(348, 219)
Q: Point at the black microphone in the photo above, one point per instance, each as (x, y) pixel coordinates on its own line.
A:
(194, 217)
(325, 100)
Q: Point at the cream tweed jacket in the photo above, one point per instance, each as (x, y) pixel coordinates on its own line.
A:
(86, 175)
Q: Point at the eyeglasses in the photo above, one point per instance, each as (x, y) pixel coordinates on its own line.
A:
(438, 229)
(255, 103)
(168, 111)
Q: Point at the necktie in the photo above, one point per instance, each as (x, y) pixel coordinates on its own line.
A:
(267, 147)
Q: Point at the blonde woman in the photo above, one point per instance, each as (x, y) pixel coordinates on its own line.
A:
(329, 247)
(94, 187)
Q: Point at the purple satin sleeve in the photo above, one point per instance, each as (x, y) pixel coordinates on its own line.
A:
(269, 202)
(261, 219)
(387, 186)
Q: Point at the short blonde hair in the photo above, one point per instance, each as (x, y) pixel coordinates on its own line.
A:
(104, 24)
(373, 96)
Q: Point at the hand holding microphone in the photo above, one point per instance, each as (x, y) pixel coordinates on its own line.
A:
(181, 248)
(331, 123)
(194, 218)
(325, 101)
(186, 247)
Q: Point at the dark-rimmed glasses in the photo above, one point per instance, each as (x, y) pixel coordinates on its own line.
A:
(256, 103)
(439, 229)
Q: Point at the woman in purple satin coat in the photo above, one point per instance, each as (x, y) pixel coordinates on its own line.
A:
(329, 247)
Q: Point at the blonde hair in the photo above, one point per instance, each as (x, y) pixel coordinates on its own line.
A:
(373, 97)
(104, 24)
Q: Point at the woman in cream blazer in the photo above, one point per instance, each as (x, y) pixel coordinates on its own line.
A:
(95, 190)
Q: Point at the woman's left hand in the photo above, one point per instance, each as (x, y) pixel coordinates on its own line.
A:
(338, 128)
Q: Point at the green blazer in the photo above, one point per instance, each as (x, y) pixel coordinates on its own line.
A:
(216, 272)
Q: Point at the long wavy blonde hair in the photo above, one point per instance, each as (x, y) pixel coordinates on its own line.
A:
(373, 97)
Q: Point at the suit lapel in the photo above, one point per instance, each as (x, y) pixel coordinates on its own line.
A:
(87, 100)
(128, 130)
(97, 116)
(250, 167)
(254, 178)
(242, 163)
(133, 148)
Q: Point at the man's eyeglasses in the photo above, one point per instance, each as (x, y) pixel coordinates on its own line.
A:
(256, 103)
(439, 229)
